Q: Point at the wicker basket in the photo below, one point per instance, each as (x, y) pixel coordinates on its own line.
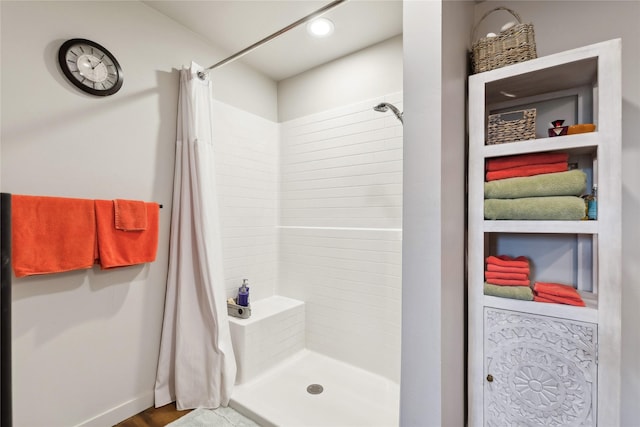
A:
(516, 44)
(511, 126)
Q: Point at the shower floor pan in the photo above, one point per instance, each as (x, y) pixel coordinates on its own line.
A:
(350, 396)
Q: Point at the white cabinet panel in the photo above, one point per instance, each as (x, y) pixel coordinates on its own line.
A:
(539, 371)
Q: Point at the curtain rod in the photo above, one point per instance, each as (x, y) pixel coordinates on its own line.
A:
(309, 17)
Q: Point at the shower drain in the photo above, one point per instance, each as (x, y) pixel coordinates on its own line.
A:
(315, 389)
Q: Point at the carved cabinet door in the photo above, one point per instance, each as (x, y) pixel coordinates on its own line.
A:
(539, 371)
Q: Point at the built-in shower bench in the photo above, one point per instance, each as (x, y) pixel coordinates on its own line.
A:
(275, 331)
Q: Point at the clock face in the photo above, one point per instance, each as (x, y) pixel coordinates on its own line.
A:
(90, 67)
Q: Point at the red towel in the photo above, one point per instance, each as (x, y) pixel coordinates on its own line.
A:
(508, 282)
(558, 300)
(501, 269)
(119, 248)
(505, 275)
(508, 162)
(527, 171)
(558, 293)
(130, 215)
(51, 234)
(507, 261)
(558, 289)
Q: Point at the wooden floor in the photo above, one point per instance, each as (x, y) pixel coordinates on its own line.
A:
(154, 417)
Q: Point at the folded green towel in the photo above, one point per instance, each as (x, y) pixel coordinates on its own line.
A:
(536, 208)
(570, 183)
(513, 292)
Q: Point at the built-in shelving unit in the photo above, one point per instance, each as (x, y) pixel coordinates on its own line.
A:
(538, 363)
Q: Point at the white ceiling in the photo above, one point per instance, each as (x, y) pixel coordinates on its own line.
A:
(233, 25)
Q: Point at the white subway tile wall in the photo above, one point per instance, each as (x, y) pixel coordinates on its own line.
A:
(343, 168)
(246, 157)
(340, 235)
(311, 209)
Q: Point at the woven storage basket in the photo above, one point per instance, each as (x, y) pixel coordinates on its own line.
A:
(511, 126)
(516, 44)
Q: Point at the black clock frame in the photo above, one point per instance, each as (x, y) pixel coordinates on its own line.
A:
(62, 53)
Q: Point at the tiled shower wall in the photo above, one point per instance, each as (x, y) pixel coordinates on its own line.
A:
(340, 231)
(312, 209)
(246, 160)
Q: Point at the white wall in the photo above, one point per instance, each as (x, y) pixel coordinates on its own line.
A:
(562, 25)
(86, 342)
(432, 382)
(373, 71)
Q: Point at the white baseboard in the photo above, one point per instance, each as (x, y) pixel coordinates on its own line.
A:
(120, 413)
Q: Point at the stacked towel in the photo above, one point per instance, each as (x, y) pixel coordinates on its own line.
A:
(557, 293)
(526, 165)
(535, 186)
(554, 208)
(530, 170)
(503, 270)
(570, 183)
(508, 277)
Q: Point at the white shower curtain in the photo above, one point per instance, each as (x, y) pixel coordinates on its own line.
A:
(196, 366)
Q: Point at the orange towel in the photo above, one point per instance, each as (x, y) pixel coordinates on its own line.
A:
(508, 162)
(505, 275)
(130, 215)
(527, 171)
(557, 293)
(51, 234)
(119, 248)
(558, 300)
(502, 269)
(507, 261)
(557, 289)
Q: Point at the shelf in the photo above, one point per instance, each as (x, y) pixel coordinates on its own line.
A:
(585, 252)
(550, 227)
(564, 70)
(582, 314)
(579, 143)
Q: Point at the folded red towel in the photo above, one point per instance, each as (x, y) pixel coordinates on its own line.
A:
(508, 162)
(502, 269)
(507, 261)
(51, 234)
(119, 248)
(557, 300)
(130, 215)
(509, 282)
(505, 275)
(527, 171)
(557, 289)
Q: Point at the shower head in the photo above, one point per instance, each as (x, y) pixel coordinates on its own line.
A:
(385, 106)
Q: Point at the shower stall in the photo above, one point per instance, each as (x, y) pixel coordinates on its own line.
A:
(311, 215)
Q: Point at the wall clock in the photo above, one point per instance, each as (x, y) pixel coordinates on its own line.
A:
(90, 67)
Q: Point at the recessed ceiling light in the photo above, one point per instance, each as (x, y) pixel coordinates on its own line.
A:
(320, 27)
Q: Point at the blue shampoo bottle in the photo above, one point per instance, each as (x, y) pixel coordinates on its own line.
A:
(243, 293)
